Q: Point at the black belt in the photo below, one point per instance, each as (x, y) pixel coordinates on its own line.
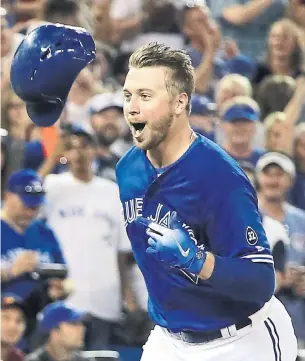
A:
(203, 337)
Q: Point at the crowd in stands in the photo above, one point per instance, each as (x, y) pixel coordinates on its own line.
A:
(69, 280)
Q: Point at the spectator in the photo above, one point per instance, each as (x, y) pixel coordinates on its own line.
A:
(9, 44)
(230, 86)
(102, 24)
(285, 54)
(202, 47)
(13, 323)
(239, 118)
(296, 12)
(276, 173)
(279, 133)
(211, 57)
(25, 10)
(83, 89)
(26, 242)
(274, 93)
(297, 194)
(14, 116)
(106, 117)
(248, 21)
(127, 19)
(84, 210)
(279, 126)
(27, 246)
(65, 331)
(203, 116)
(52, 11)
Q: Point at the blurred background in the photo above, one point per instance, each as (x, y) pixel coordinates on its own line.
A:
(70, 284)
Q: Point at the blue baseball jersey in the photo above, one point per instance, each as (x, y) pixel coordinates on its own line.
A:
(218, 206)
(38, 237)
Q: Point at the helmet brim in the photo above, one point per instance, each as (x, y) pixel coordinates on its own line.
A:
(45, 114)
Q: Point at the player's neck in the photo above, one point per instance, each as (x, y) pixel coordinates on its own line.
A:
(177, 142)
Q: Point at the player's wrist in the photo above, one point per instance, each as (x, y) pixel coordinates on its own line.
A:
(207, 267)
(197, 261)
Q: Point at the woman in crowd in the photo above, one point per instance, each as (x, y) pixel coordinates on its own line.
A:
(14, 116)
(285, 53)
(278, 133)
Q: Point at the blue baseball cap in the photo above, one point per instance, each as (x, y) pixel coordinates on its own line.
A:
(10, 300)
(242, 65)
(28, 186)
(202, 105)
(56, 313)
(241, 112)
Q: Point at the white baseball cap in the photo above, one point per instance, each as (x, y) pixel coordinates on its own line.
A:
(101, 102)
(279, 159)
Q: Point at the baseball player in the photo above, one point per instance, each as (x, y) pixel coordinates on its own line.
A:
(192, 218)
(190, 212)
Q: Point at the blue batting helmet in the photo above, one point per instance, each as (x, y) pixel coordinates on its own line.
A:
(45, 66)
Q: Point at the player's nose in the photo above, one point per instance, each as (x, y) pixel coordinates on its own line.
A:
(133, 106)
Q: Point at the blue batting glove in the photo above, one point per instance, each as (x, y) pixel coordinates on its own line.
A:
(173, 245)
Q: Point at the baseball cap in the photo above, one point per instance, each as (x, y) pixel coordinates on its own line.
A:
(282, 160)
(10, 300)
(241, 111)
(202, 105)
(27, 184)
(102, 102)
(56, 313)
(73, 129)
(242, 65)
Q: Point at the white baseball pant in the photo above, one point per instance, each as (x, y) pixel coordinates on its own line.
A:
(270, 337)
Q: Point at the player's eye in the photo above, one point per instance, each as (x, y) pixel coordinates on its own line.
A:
(127, 97)
(145, 96)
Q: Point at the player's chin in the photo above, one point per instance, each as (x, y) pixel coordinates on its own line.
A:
(142, 145)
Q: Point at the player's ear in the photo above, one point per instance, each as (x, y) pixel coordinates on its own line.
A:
(181, 103)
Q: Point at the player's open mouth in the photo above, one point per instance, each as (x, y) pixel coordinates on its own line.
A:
(138, 128)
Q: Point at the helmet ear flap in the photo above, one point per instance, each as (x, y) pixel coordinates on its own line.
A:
(45, 66)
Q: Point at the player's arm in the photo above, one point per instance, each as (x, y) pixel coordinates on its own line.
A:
(241, 265)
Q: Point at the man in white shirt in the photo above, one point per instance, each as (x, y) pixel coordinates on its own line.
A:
(85, 213)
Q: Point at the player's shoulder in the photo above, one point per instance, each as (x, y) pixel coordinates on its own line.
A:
(214, 165)
(130, 166)
(125, 161)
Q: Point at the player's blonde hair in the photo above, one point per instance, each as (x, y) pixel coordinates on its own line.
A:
(180, 78)
(239, 100)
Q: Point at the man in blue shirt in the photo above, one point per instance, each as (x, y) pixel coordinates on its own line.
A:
(27, 242)
(192, 218)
